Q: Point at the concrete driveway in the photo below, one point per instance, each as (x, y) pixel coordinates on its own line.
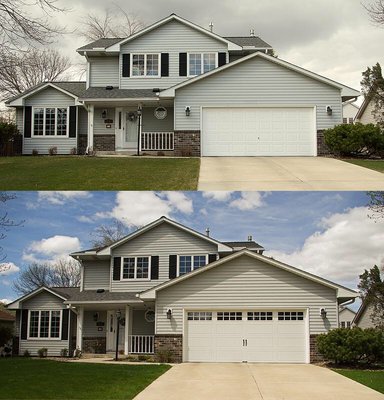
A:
(285, 173)
(254, 381)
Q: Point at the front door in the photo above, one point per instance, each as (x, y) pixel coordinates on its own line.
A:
(126, 128)
(112, 332)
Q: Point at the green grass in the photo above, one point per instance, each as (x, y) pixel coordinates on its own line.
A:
(371, 378)
(377, 165)
(44, 379)
(96, 173)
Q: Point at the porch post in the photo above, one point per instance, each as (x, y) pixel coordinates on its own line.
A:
(91, 113)
(126, 332)
(79, 332)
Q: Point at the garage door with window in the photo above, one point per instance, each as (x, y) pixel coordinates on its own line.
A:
(258, 131)
(254, 336)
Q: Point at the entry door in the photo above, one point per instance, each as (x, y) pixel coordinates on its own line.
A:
(126, 128)
(112, 332)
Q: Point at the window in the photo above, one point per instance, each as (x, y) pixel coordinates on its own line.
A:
(199, 316)
(259, 316)
(199, 63)
(135, 268)
(229, 316)
(291, 316)
(50, 121)
(44, 324)
(190, 263)
(145, 65)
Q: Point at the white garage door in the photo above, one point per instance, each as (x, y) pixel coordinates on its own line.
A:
(254, 336)
(258, 132)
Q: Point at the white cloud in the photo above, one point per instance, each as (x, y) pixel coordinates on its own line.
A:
(217, 195)
(141, 208)
(5, 301)
(8, 269)
(84, 218)
(248, 201)
(61, 197)
(348, 243)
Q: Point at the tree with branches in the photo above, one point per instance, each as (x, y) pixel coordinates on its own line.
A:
(63, 273)
(376, 11)
(373, 89)
(376, 205)
(105, 235)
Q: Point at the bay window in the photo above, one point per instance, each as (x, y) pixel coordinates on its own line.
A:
(44, 324)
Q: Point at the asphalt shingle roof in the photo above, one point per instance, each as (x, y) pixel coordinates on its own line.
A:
(6, 316)
(115, 93)
(101, 43)
(249, 41)
(247, 244)
(74, 294)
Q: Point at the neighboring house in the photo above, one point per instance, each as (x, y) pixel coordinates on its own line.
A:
(175, 288)
(363, 317)
(176, 88)
(346, 316)
(365, 115)
(7, 319)
(350, 110)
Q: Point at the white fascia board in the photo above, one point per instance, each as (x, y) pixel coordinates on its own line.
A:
(16, 304)
(116, 46)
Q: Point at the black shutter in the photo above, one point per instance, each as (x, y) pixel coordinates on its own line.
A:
(222, 59)
(24, 324)
(155, 267)
(64, 325)
(72, 121)
(172, 267)
(164, 64)
(27, 121)
(211, 258)
(182, 64)
(116, 268)
(126, 65)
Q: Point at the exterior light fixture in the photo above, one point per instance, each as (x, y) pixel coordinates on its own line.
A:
(139, 111)
(329, 110)
(169, 313)
(323, 313)
(187, 111)
(104, 114)
(139, 114)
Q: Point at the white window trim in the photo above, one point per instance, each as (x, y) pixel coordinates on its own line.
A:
(44, 118)
(49, 331)
(202, 62)
(135, 273)
(145, 66)
(192, 263)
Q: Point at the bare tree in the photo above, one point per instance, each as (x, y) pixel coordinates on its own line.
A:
(376, 11)
(21, 71)
(63, 273)
(115, 22)
(376, 205)
(105, 235)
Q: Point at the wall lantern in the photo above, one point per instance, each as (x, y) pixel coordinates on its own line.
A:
(104, 114)
(323, 313)
(96, 316)
(188, 111)
(329, 110)
(139, 111)
(169, 313)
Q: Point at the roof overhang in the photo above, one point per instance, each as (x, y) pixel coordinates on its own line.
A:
(342, 292)
(15, 305)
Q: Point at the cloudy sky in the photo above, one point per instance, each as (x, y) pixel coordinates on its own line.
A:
(326, 233)
(332, 37)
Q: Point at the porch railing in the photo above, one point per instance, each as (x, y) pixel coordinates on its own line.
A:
(141, 344)
(160, 141)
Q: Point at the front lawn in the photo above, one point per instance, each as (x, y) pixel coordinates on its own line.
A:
(45, 379)
(97, 173)
(377, 165)
(371, 378)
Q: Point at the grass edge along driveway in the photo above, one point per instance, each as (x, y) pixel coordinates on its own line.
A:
(374, 379)
(376, 165)
(22, 378)
(98, 173)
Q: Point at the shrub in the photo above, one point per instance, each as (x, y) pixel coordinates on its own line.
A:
(77, 353)
(73, 151)
(355, 140)
(43, 352)
(7, 131)
(5, 334)
(35, 152)
(164, 355)
(52, 151)
(64, 352)
(26, 353)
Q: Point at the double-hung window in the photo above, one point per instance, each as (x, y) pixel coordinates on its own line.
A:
(190, 263)
(135, 268)
(200, 63)
(145, 65)
(50, 121)
(44, 324)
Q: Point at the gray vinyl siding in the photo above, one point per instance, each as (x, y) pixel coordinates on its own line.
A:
(46, 302)
(82, 125)
(245, 283)
(365, 320)
(152, 124)
(49, 97)
(104, 71)
(90, 328)
(163, 241)
(99, 126)
(257, 82)
(20, 120)
(173, 38)
(96, 275)
(139, 324)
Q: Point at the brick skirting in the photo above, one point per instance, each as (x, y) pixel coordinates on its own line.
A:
(314, 355)
(171, 342)
(100, 143)
(187, 143)
(96, 345)
(322, 148)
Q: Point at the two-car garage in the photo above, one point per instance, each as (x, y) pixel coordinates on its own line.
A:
(251, 336)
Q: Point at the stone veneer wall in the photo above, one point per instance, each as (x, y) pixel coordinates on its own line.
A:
(322, 148)
(314, 355)
(100, 143)
(187, 143)
(95, 345)
(172, 342)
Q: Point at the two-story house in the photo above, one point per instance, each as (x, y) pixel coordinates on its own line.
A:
(168, 286)
(175, 88)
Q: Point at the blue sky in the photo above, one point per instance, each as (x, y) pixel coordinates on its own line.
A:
(327, 233)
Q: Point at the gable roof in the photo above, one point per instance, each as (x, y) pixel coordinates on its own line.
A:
(363, 107)
(346, 91)
(343, 293)
(72, 88)
(6, 316)
(101, 43)
(249, 244)
(360, 312)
